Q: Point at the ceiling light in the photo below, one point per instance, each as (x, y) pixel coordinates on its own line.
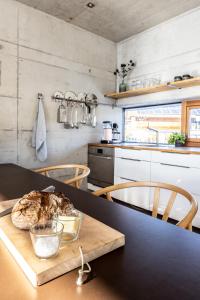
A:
(90, 5)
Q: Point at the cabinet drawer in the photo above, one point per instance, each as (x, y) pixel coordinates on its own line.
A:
(133, 154)
(187, 178)
(187, 160)
(135, 196)
(132, 169)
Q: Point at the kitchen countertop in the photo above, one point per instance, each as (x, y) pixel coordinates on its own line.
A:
(162, 148)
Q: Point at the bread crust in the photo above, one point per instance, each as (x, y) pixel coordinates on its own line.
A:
(37, 207)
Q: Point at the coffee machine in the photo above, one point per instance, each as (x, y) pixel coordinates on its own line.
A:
(115, 134)
(111, 134)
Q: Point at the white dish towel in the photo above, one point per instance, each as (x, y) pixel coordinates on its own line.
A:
(39, 134)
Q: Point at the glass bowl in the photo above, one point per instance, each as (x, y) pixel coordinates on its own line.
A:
(46, 238)
(72, 224)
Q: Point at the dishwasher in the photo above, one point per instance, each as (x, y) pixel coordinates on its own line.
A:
(101, 164)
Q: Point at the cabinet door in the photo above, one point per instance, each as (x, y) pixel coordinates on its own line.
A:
(135, 196)
(184, 160)
(133, 154)
(182, 177)
(133, 169)
(127, 170)
(185, 177)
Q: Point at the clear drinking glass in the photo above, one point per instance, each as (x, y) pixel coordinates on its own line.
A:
(72, 224)
(46, 238)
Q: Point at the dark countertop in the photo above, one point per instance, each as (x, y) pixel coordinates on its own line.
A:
(162, 148)
(159, 261)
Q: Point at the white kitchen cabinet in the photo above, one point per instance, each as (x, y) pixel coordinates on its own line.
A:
(182, 170)
(184, 177)
(132, 165)
(133, 154)
(133, 169)
(172, 158)
(135, 196)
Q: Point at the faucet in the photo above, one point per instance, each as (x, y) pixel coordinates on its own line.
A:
(157, 133)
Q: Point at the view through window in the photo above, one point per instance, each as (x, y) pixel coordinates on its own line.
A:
(194, 123)
(152, 124)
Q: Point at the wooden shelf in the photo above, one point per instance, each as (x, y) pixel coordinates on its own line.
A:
(156, 89)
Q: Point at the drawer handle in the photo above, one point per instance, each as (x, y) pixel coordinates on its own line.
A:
(185, 167)
(128, 179)
(175, 152)
(134, 159)
(103, 157)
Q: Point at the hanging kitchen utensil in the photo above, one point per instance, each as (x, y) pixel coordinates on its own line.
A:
(93, 116)
(61, 114)
(67, 124)
(91, 102)
(70, 95)
(71, 115)
(58, 96)
(84, 114)
(81, 96)
(75, 116)
(83, 110)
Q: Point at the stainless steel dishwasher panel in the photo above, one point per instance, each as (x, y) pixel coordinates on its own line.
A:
(101, 164)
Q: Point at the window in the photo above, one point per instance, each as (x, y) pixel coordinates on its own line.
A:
(191, 122)
(152, 124)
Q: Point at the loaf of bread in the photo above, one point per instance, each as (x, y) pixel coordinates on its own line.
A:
(37, 207)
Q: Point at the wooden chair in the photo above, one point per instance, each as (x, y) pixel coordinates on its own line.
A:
(81, 172)
(186, 222)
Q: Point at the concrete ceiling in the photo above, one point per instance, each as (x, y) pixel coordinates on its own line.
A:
(114, 19)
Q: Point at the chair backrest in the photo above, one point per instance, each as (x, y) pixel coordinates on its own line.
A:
(81, 172)
(186, 222)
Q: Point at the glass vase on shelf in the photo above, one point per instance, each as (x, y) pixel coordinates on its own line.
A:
(122, 86)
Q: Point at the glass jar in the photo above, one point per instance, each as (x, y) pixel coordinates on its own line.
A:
(46, 238)
(72, 224)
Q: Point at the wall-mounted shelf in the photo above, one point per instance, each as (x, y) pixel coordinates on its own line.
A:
(156, 89)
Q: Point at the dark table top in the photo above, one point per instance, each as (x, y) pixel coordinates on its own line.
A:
(159, 260)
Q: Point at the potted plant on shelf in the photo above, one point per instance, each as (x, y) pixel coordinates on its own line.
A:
(177, 139)
(125, 69)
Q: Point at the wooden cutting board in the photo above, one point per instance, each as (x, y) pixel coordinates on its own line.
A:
(96, 240)
(7, 204)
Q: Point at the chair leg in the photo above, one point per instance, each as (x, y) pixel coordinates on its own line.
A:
(108, 196)
(190, 227)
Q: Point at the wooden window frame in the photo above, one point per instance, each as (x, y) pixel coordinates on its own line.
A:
(186, 107)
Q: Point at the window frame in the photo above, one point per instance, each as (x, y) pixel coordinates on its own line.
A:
(186, 107)
(144, 106)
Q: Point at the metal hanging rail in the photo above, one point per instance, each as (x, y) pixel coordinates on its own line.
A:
(56, 98)
(67, 99)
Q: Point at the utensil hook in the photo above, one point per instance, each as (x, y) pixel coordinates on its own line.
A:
(40, 96)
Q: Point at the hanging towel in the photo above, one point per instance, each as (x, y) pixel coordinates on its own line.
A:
(39, 134)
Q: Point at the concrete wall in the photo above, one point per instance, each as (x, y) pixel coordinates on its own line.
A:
(169, 49)
(39, 53)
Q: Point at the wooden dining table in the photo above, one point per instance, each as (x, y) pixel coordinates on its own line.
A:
(159, 260)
